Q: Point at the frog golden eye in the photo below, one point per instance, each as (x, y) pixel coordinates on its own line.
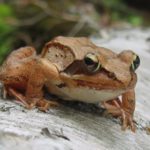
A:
(135, 63)
(92, 63)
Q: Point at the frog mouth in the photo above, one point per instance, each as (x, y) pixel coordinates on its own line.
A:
(100, 81)
(104, 85)
(97, 86)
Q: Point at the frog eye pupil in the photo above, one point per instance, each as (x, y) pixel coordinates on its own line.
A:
(92, 63)
(135, 64)
(89, 61)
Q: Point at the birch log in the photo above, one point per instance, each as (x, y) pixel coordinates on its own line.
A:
(81, 126)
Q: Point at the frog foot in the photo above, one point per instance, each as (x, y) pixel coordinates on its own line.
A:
(117, 110)
(41, 104)
(44, 104)
(17, 95)
(4, 92)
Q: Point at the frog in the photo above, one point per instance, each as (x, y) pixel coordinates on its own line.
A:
(73, 69)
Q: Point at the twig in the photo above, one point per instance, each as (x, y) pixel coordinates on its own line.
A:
(45, 131)
(78, 26)
(44, 6)
(31, 21)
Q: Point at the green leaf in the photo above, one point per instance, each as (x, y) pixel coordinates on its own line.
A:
(5, 11)
(135, 20)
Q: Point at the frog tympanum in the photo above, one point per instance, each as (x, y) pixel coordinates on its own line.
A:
(73, 69)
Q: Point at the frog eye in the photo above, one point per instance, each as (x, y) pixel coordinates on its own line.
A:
(92, 63)
(135, 63)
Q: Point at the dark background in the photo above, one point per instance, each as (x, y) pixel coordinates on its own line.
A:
(35, 22)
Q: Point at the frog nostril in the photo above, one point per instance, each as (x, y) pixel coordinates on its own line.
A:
(111, 75)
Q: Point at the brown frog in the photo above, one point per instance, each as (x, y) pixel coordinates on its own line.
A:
(73, 69)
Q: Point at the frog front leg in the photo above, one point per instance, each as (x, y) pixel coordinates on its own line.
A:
(42, 72)
(123, 109)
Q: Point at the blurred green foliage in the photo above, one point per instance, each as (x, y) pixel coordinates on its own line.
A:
(6, 13)
(34, 22)
(119, 11)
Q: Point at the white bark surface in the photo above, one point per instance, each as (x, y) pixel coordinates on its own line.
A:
(82, 127)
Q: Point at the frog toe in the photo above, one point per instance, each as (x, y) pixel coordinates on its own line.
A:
(127, 121)
(44, 104)
(125, 116)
